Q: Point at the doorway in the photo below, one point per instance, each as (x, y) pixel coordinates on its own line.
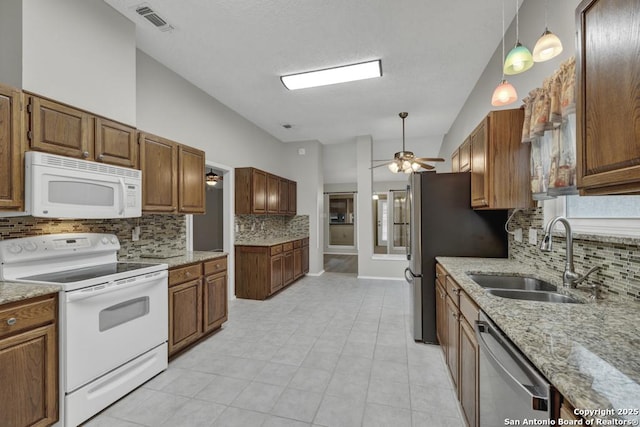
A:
(208, 228)
(391, 217)
(340, 252)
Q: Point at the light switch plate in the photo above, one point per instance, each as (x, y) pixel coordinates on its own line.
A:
(533, 236)
(135, 233)
(517, 235)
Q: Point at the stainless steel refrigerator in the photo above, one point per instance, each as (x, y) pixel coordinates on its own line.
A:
(442, 223)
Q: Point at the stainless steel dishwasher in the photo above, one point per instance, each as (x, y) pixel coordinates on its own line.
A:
(510, 387)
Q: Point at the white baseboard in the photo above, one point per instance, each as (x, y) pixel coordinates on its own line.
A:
(316, 274)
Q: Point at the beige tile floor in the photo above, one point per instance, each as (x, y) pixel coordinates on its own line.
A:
(327, 351)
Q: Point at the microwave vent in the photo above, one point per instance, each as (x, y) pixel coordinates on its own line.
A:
(152, 16)
(84, 165)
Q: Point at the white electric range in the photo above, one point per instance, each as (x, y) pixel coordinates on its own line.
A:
(112, 315)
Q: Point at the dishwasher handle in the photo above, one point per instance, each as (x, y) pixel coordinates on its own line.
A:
(539, 401)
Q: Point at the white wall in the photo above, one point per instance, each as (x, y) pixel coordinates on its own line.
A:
(307, 171)
(561, 21)
(80, 52)
(367, 266)
(11, 42)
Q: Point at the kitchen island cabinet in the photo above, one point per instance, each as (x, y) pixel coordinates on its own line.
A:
(11, 161)
(197, 301)
(264, 269)
(29, 362)
(608, 97)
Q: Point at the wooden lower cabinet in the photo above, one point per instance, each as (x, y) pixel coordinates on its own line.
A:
(468, 384)
(197, 302)
(262, 271)
(441, 316)
(453, 336)
(29, 363)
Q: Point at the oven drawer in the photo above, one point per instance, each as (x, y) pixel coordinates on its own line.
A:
(215, 266)
(27, 315)
(181, 275)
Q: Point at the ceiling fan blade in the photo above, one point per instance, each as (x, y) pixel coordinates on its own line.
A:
(425, 165)
(380, 160)
(429, 159)
(379, 166)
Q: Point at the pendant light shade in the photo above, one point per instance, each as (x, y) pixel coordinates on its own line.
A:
(548, 46)
(518, 60)
(504, 94)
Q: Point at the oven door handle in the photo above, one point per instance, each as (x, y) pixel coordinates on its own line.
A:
(539, 402)
(95, 291)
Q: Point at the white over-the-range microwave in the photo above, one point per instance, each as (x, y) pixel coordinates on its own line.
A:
(64, 187)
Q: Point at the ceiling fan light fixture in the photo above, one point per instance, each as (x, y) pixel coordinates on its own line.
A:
(330, 76)
(394, 167)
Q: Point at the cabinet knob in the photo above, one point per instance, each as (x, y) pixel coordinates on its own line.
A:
(11, 321)
(101, 157)
(188, 274)
(217, 265)
(456, 291)
(455, 315)
(85, 154)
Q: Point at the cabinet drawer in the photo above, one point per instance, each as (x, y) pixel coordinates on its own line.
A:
(215, 266)
(275, 250)
(180, 275)
(287, 246)
(468, 308)
(441, 273)
(26, 315)
(453, 290)
(297, 244)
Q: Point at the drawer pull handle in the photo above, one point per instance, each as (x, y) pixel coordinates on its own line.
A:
(11, 321)
(217, 265)
(85, 154)
(455, 316)
(456, 291)
(188, 274)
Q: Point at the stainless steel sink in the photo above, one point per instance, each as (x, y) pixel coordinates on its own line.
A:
(494, 281)
(533, 295)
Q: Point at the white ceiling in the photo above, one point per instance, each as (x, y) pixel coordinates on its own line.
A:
(432, 53)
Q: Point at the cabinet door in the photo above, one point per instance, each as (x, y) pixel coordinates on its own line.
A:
(464, 158)
(283, 199)
(441, 317)
(277, 273)
(191, 180)
(159, 164)
(608, 97)
(29, 373)
(453, 331)
(455, 161)
(11, 164)
(297, 263)
(468, 380)
(115, 143)
(293, 195)
(58, 129)
(185, 314)
(259, 192)
(273, 194)
(479, 173)
(288, 267)
(305, 259)
(215, 301)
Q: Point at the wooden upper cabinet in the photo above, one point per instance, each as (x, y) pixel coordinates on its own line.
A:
(283, 200)
(500, 177)
(66, 131)
(273, 194)
(159, 164)
(11, 163)
(293, 198)
(59, 129)
(115, 143)
(191, 180)
(608, 97)
(464, 156)
(258, 192)
(455, 161)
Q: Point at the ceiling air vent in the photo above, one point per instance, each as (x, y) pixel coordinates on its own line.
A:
(150, 15)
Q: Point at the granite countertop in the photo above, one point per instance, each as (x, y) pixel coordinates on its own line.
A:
(269, 241)
(590, 352)
(13, 291)
(175, 259)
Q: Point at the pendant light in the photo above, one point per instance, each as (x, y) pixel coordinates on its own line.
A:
(519, 58)
(548, 45)
(505, 93)
(211, 178)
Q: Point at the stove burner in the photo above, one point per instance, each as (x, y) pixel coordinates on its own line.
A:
(80, 274)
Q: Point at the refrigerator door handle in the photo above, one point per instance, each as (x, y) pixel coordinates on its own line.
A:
(408, 276)
(409, 229)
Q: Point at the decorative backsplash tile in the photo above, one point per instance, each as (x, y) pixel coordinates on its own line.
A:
(156, 231)
(270, 226)
(619, 259)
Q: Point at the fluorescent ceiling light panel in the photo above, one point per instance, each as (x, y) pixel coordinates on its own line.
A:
(329, 76)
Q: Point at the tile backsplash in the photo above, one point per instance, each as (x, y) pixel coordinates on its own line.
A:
(269, 226)
(167, 232)
(619, 258)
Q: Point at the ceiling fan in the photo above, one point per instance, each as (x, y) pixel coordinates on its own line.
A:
(406, 161)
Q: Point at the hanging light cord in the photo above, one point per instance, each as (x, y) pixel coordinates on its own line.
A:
(546, 24)
(517, 23)
(502, 60)
(403, 134)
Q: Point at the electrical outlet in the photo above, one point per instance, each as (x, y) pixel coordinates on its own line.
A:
(533, 236)
(517, 235)
(135, 233)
